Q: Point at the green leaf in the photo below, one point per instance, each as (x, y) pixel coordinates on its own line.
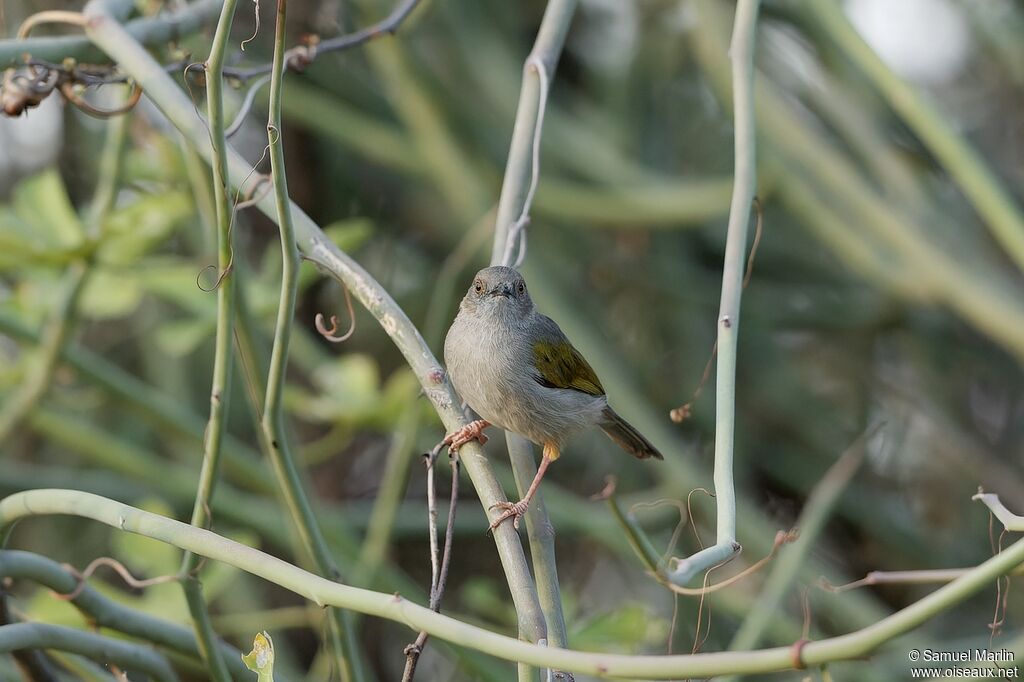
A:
(261, 659)
(42, 203)
(175, 280)
(179, 338)
(350, 234)
(109, 294)
(349, 389)
(141, 226)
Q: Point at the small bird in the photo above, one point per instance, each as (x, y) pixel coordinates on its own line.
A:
(516, 369)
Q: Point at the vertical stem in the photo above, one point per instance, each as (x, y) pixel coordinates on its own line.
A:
(515, 185)
(515, 194)
(222, 361)
(273, 423)
(741, 52)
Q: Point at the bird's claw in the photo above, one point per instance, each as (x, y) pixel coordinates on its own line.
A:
(512, 510)
(470, 432)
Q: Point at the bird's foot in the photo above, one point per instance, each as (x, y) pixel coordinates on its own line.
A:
(512, 510)
(471, 431)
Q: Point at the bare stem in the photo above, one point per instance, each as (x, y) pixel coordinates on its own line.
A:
(742, 54)
(275, 437)
(522, 171)
(222, 361)
(439, 562)
(97, 647)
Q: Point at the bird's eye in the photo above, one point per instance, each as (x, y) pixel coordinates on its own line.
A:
(521, 288)
(478, 286)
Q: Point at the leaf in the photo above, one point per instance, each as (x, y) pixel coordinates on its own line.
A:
(179, 338)
(41, 202)
(350, 234)
(349, 389)
(261, 659)
(109, 294)
(141, 226)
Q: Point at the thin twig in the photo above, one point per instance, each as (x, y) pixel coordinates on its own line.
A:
(438, 565)
(301, 56)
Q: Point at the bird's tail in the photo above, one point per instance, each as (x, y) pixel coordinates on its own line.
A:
(627, 437)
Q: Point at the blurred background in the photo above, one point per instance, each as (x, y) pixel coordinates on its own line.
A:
(882, 293)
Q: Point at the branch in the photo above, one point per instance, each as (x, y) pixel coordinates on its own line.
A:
(148, 31)
(100, 649)
(275, 440)
(324, 592)
(742, 54)
(810, 524)
(1010, 521)
(439, 560)
(301, 56)
(220, 385)
(107, 613)
(522, 174)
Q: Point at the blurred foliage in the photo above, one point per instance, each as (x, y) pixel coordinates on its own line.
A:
(398, 150)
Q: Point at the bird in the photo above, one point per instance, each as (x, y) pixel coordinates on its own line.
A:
(517, 370)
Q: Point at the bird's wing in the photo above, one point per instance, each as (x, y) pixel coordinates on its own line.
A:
(559, 364)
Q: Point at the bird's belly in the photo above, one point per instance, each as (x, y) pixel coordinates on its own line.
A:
(541, 414)
(501, 387)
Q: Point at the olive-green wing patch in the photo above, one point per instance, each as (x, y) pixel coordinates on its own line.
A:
(561, 366)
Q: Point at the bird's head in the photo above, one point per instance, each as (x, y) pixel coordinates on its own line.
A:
(500, 291)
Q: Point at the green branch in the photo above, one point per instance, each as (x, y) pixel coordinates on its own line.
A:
(220, 388)
(147, 31)
(107, 613)
(97, 647)
(324, 592)
(742, 54)
(275, 439)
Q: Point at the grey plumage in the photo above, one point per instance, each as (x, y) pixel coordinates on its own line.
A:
(492, 359)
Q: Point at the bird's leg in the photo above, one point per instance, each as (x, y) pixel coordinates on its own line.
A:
(515, 510)
(471, 431)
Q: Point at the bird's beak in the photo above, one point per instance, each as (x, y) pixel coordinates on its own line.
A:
(502, 290)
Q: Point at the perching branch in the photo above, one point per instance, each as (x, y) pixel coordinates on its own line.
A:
(393, 607)
(742, 54)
